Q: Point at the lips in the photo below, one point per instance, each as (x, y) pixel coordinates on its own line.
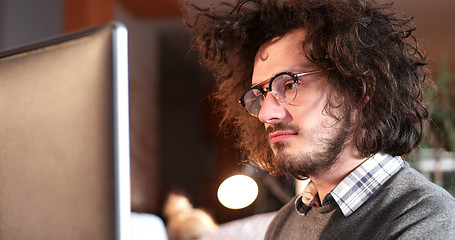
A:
(281, 136)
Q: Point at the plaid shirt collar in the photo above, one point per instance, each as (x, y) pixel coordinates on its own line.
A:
(357, 187)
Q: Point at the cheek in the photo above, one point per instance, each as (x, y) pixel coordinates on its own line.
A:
(307, 111)
(312, 96)
(306, 117)
(309, 108)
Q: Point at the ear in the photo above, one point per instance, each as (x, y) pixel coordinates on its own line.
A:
(369, 86)
(367, 99)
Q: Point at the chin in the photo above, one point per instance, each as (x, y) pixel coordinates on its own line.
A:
(286, 149)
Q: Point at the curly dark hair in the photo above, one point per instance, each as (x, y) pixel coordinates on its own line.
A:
(366, 48)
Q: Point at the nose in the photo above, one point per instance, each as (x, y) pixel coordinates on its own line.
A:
(272, 111)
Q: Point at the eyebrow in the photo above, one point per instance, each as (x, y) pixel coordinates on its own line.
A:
(304, 73)
(264, 81)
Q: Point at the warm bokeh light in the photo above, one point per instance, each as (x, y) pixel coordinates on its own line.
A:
(237, 192)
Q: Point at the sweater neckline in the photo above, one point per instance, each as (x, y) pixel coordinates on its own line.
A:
(329, 205)
(303, 209)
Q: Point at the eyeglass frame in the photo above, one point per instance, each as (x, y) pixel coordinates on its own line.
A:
(295, 77)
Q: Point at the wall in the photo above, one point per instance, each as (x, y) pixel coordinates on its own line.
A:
(23, 21)
(435, 28)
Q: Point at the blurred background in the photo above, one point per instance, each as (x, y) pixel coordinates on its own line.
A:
(175, 143)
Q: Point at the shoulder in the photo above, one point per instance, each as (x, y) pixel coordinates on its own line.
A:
(409, 182)
(422, 209)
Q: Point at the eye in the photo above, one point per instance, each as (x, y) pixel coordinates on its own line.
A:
(283, 83)
(289, 85)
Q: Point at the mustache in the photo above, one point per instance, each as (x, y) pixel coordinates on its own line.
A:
(282, 127)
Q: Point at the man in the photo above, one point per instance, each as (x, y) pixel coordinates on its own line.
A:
(333, 91)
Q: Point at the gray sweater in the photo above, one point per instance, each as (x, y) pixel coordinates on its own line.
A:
(407, 206)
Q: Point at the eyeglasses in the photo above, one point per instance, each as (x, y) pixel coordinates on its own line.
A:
(283, 87)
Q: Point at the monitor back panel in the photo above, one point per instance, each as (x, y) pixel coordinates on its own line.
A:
(57, 173)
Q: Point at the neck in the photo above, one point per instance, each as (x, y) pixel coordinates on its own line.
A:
(327, 179)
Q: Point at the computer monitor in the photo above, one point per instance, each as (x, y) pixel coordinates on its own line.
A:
(64, 137)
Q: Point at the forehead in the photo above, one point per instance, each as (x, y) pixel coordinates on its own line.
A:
(283, 54)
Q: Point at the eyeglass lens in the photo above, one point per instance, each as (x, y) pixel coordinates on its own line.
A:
(283, 88)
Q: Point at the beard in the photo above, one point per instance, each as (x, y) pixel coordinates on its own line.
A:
(303, 164)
